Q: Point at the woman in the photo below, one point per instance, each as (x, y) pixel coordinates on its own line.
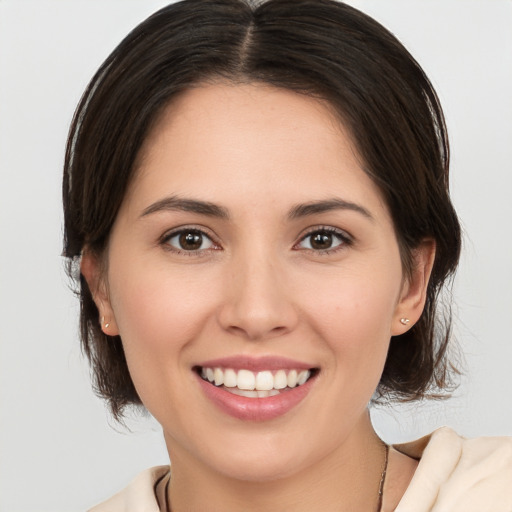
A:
(258, 201)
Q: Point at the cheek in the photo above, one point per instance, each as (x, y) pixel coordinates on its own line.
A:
(158, 306)
(354, 315)
(159, 313)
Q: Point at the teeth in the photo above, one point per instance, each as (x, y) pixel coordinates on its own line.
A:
(245, 380)
(259, 384)
(230, 378)
(292, 378)
(264, 381)
(280, 380)
(244, 392)
(218, 376)
(302, 378)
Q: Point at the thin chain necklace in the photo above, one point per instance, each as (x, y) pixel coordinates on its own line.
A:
(381, 483)
(383, 477)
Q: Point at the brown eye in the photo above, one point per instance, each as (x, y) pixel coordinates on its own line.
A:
(189, 240)
(324, 240)
(321, 241)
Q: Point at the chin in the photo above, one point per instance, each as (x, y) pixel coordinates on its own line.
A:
(265, 458)
(259, 469)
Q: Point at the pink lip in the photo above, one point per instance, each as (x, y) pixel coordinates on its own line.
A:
(255, 409)
(256, 364)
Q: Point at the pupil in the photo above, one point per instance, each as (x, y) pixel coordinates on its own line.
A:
(321, 241)
(191, 241)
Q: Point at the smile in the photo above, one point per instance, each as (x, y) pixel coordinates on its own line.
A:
(261, 384)
(255, 389)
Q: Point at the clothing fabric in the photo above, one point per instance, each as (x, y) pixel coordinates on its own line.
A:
(459, 475)
(454, 474)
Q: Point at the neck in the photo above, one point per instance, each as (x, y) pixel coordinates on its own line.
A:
(347, 479)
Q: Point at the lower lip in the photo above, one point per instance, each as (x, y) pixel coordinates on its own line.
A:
(255, 409)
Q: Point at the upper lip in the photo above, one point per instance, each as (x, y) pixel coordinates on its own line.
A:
(256, 364)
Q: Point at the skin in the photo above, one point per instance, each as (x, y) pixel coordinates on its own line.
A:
(257, 287)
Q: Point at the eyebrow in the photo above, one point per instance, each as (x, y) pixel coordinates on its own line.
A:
(315, 207)
(175, 203)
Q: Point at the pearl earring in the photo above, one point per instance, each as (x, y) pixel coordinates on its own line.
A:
(404, 321)
(106, 325)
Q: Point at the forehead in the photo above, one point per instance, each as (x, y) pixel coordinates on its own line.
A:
(218, 137)
(227, 112)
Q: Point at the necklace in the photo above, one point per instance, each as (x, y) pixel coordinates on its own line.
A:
(381, 483)
(383, 477)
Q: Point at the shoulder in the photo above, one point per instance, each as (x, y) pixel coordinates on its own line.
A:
(139, 495)
(456, 474)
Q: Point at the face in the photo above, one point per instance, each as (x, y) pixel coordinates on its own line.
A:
(251, 248)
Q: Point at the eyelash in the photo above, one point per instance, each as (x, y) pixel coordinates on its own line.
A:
(165, 239)
(344, 238)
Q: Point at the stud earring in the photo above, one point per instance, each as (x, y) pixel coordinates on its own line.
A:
(404, 321)
(105, 325)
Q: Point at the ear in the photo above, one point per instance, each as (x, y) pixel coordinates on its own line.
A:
(91, 269)
(414, 289)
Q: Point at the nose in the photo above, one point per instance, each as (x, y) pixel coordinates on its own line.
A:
(258, 301)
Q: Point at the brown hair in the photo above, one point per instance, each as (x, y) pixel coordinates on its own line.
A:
(321, 48)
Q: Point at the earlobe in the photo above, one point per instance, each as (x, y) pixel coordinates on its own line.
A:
(91, 269)
(414, 291)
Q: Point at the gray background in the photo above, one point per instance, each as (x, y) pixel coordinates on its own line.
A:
(59, 451)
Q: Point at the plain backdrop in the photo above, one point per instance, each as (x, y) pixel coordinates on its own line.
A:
(59, 450)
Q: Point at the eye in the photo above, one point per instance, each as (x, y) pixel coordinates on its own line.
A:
(324, 239)
(189, 240)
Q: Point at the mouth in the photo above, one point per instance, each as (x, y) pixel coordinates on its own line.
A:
(256, 384)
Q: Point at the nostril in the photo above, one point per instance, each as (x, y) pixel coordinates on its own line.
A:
(257, 332)
(257, 310)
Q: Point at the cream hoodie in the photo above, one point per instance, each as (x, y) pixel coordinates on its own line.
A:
(454, 475)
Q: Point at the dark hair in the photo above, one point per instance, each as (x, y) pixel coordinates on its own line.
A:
(321, 48)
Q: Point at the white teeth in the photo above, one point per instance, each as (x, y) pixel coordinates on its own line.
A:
(230, 378)
(280, 380)
(244, 392)
(246, 380)
(218, 376)
(263, 383)
(292, 379)
(303, 377)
